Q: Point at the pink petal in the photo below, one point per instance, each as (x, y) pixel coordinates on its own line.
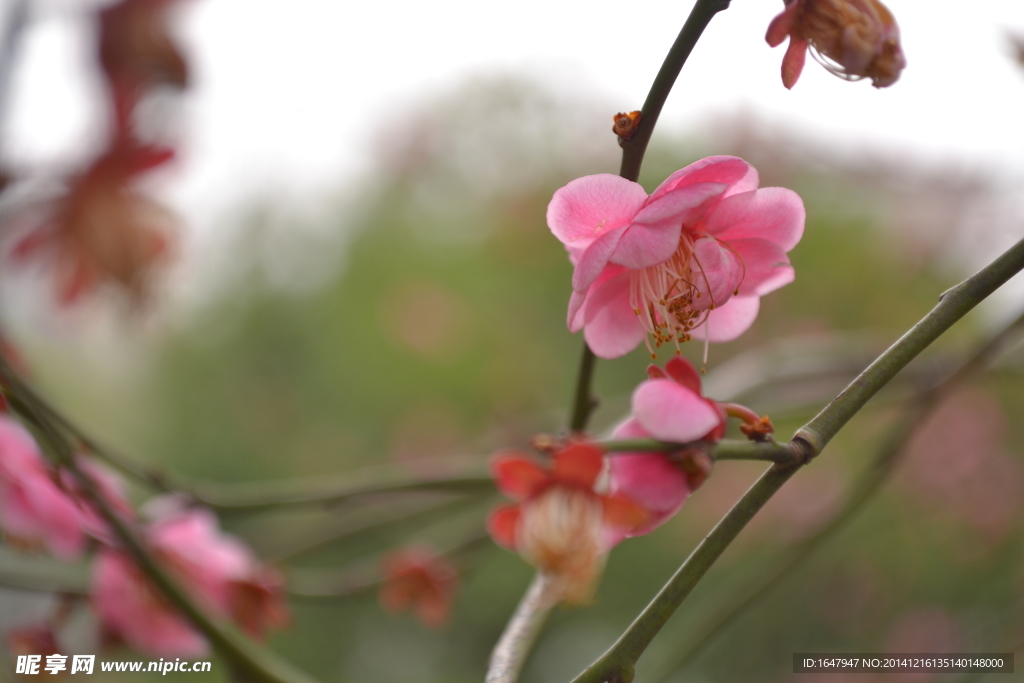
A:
(682, 372)
(589, 206)
(503, 525)
(518, 476)
(580, 463)
(671, 412)
(577, 301)
(575, 317)
(595, 258)
(766, 266)
(793, 62)
(732, 171)
(729, 321)
(654, 235)
(781, 26)
(611, 328)
(774, 214)
(717, 272)
(654, 481)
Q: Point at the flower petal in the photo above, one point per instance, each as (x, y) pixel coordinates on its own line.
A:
(773, 213)
(717, 272)
(732, 171)
(503, 525)
(683, 372)
(589, 206)
(579, 463)
(653, 479)
(781, 26)
(793, 62)
(594, 259)
(518, 476)
(611, 328)
(654, 235)
(765, 264)
(671, 412)
(622, 512)
(729, 321)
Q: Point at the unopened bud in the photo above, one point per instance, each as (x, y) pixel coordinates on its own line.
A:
(625, 124)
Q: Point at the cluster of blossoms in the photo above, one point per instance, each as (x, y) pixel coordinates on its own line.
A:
(691, 260)
(42, 507)
(103, 229)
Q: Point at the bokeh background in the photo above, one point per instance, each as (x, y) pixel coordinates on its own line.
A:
(365, 279)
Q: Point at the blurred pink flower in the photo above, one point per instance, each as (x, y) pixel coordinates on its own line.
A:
(103, 229)
(560, 524)
(421, 580)
(691, 260)
(668, 407)
(852, 39)
(217, 569)
(34, 510)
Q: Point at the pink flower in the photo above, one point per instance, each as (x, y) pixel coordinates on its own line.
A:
(560, 524)
(421, 580)
(217, 569)
(852, 39)
(34, 510)
(668, 407)
(691, 260)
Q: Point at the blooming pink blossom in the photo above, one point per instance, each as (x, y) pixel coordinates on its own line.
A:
(669, 407)
(690, 260)
(34, 510)
(560, 524)
(217, 569)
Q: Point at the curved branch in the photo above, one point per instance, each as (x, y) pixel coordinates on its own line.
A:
(617, 664)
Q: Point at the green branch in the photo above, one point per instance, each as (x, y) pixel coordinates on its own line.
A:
(617, 665)
(727, 449)
(884, 462)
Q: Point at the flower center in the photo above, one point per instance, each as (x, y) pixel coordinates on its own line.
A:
(667, 296)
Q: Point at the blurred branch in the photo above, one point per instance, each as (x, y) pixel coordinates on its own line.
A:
(366, 575)
(883, 464)
(522, 630)
(418, 514)
(42, 574)
(251, 660)
(617, 665)
(251, 497)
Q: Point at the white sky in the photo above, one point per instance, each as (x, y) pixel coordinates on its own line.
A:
(287, 93)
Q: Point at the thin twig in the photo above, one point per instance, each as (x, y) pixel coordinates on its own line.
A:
(884, 462)
(727, 449)
(522, 630)
(617, 665)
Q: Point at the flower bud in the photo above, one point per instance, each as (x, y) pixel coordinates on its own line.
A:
(852, 39)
